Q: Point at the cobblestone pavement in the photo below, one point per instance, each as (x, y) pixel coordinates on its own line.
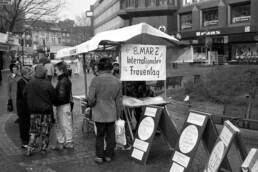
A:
(81, 158)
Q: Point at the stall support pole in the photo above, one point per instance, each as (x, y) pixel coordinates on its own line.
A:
(84, 73)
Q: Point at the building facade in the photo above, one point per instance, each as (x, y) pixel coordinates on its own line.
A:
(226, 28)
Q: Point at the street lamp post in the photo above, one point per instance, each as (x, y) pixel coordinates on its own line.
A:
(23, 42)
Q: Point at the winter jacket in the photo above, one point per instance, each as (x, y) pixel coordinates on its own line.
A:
(40, 95)
(63, 90)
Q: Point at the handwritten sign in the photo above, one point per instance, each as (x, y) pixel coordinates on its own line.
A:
(143, 62)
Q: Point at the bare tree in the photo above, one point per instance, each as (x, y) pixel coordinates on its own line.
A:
(82, 20)
(13, 16)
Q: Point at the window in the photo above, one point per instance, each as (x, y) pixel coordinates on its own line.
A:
(130, 3)
(190, 2)
(210, 17)
(141, 3)
(53, 40)
(241, 13)
(186, 21)
(59, 41)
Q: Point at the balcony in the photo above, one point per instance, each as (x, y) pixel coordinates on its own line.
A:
(147, 8)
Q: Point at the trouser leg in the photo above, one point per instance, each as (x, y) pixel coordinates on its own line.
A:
(111, 140)
(45, 131)
(24, 126)
(100, 139)
(35, 125)
(64, 128)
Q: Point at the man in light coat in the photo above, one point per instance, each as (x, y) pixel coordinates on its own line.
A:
(105, 98)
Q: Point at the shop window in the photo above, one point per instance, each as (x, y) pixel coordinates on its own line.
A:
(186, 21)
(190, 2)
(151, 2)
(210, 17)
(130, 3)
(240, 13)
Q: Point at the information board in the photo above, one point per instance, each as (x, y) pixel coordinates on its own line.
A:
(145, 133)
(143, 62)
(251, 162)
(227, 136)
(188, 141)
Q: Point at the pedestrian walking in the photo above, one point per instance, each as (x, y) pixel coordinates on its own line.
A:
(40, 96)
(12, 86)
(22, 107)
(64, 127)
(50, 69)
(77, 66)
(105, 99)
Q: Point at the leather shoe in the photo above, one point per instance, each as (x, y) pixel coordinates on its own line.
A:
(98, 160)
(107, 159)
(69, 145)
(57, 147)
(29, 151)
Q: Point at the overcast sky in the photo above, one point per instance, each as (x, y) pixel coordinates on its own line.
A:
(75, 8)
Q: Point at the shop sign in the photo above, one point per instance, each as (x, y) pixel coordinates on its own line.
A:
(215, 32)
(241, 19)
(4, 48)
(5, 2)
(211, 23)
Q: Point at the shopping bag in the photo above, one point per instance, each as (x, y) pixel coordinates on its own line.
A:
(120, 132)
(9, 105)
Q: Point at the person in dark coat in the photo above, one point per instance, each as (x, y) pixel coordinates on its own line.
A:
(41, 96)
(22, 107)
(12, 86)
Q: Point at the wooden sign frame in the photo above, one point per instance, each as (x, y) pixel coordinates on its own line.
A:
(230, 134)
(167, 129)
(197, 126)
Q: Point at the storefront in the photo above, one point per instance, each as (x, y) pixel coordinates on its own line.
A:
(6, 42)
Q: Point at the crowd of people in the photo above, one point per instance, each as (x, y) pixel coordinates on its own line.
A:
(34, 97)
(40, 104)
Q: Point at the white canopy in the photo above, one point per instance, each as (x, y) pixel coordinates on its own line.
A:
(137, 34)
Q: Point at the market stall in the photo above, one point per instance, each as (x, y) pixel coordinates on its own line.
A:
(142, 54)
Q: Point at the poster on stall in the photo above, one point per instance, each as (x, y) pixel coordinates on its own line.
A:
(143, 62)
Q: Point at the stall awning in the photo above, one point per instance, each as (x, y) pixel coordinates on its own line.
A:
(137, 34)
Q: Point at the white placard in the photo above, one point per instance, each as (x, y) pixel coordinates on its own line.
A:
(137, 154)
(226, 135)
(176, 168)
(146, 128)
(196, 119)
(181, 159)
(142, 145)
(188, 139)
(216, 157)
(143, 62)
(150, 112)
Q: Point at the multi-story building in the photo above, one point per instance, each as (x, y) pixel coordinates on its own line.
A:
(227, 27)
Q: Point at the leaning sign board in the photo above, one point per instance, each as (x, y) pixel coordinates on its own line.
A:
(145, 133)
(198, 126)
(143, 62)
(251, 162)
(228, 135)
(6, 2)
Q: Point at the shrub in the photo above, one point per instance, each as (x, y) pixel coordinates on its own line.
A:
(224, 85)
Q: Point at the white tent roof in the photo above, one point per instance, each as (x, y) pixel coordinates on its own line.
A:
(137, 34)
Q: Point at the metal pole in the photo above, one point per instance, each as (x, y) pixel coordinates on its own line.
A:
(84, 73)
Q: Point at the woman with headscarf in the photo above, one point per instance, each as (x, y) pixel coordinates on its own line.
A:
(12, 86)
(22, 107)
